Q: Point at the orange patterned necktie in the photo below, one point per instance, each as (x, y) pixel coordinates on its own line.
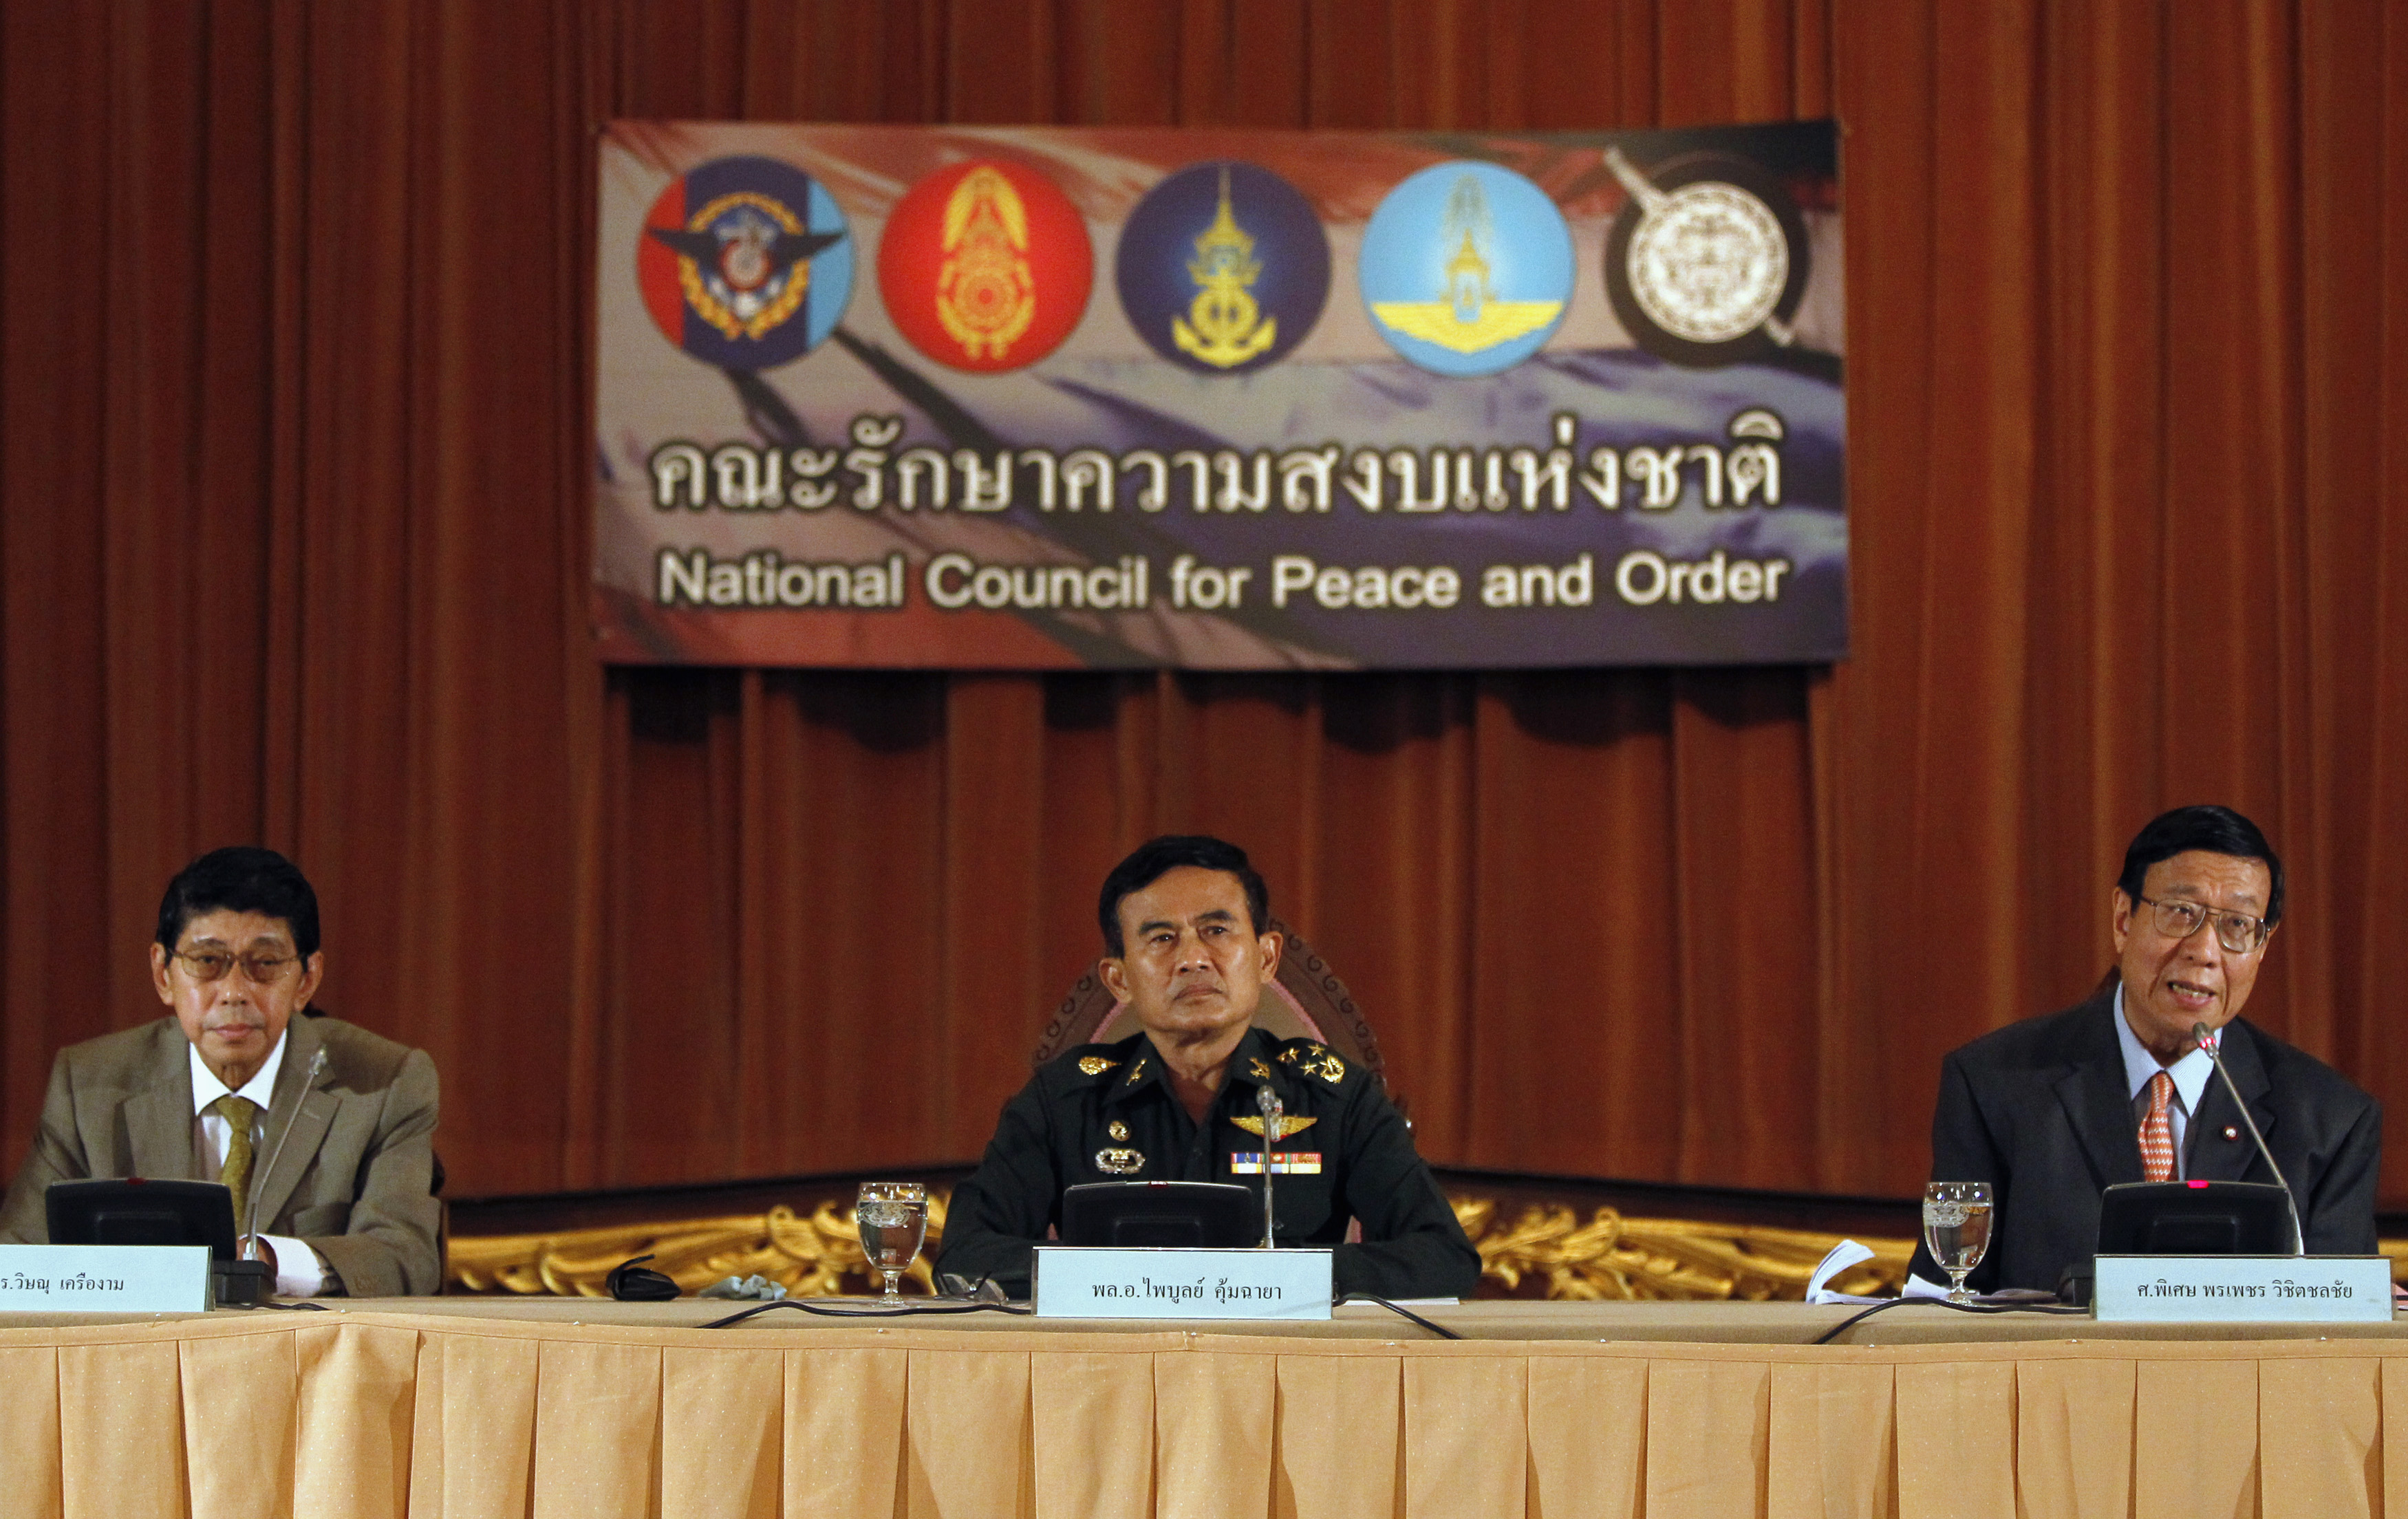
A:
(2157, 1131)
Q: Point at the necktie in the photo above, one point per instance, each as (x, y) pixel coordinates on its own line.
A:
(2157, 1131)
(236, 1173)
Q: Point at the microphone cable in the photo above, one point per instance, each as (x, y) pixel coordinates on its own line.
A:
(934, 1308)
(1854, 1319)
(1439, 1330)
(941, 1309)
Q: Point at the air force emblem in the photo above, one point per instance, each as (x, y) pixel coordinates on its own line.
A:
(745, 262)
(1466, 268)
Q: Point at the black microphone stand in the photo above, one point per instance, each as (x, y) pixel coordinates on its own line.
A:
(2207, 1040)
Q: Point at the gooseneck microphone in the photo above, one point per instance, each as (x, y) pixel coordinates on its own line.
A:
(2206, 1039)
(1272, 1110)
(251, 1225)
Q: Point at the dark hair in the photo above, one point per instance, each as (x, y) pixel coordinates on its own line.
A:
(241, 878)
(1157, 857)
(2216, 830)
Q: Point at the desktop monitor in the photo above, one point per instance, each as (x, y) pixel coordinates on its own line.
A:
(2195, 1218)
(1137, 1214)
(135, 1212)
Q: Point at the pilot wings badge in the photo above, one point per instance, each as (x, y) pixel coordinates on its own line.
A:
(1288, 1124)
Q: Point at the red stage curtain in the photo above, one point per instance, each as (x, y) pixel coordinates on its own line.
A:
(294, 361)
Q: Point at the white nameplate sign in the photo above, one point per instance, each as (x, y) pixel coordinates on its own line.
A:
(104, 1278)
(2244, 1289)
(1097, 1283)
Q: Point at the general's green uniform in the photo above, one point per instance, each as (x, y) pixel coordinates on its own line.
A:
(1106, 1112)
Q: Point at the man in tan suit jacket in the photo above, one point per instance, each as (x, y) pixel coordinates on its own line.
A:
(346, 1116)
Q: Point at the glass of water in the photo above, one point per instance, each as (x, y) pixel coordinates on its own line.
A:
(1957, 1227)
(892, 1221)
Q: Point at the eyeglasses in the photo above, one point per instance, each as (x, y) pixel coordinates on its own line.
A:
(2238, 932)
(212, 965)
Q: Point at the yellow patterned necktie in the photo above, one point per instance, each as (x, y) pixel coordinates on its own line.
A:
(236, 1173)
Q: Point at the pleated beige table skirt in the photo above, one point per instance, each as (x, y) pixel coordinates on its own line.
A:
(436, 1413)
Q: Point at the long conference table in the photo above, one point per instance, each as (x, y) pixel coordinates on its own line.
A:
(461, 1407)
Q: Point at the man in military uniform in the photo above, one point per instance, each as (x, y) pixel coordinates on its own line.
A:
(1187, 949)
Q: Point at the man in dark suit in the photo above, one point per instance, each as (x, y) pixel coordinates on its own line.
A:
(2052, 1110)
(234, 1080)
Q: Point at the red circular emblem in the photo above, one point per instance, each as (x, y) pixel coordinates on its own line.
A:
(985, 266)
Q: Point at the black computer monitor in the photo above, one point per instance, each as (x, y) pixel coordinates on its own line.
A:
(134, 1211)
(1218, 1215)
(2195, 1218)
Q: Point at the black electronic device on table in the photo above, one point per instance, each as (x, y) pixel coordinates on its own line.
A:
(2195, 1218)
(1213, 1215)
(136, 1211)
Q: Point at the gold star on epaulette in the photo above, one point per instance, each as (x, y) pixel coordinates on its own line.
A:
(1315, 1060)
(1289, 1123)
(1095, 1065)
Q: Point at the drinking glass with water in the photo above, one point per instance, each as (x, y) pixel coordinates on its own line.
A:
(1957, 1227)
(892, 1221)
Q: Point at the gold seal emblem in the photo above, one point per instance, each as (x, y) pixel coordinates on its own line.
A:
(1289, 1123)
(1114, 1161)
(1095, 1065)
(985, 295)
(1224, 325)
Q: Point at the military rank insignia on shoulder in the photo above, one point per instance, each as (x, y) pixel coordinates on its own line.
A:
(1095, 1065)
(1313, 1060)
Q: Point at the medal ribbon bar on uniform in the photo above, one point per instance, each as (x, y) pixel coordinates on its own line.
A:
(1284, 1163)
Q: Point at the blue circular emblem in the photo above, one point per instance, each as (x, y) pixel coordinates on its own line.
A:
(1223, 267)
(1466, 268)
(745, 262)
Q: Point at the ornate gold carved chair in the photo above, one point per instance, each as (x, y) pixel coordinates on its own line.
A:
(1307, 1001)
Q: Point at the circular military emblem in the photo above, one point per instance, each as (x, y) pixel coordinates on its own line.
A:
(745, 262)
(1223, 267)
(1707, 259)
(1466, 268)
(985, 266)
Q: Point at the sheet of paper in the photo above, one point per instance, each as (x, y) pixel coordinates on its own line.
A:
(1847, 1253)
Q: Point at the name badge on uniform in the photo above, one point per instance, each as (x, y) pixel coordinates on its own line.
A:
(1284, 1163)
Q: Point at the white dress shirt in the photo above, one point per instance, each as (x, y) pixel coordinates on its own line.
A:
(2191, 1074)
(299, 1271)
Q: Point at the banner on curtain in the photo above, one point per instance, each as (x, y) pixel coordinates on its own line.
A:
(1032, 398)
